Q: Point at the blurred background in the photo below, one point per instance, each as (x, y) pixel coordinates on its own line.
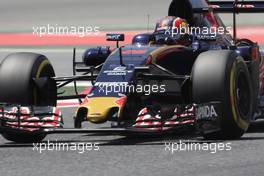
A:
(20, 16)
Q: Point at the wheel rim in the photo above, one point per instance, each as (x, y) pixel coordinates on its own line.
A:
(242, 94)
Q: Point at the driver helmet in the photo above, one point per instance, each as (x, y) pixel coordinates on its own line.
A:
(171, 30)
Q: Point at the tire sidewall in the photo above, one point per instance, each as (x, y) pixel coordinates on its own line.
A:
(232, 118)
(214, 79)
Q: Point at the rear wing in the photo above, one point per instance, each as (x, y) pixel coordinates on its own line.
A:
(237, 6)
(234, 7)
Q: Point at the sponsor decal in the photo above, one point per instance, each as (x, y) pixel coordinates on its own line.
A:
(245, 6)
(118, 71)
(206, 112)
(127, 52)
(111, 84)
(206, 37)
(115, 37)
(121, 68)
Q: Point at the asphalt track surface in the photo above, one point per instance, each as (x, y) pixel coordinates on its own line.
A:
(117, 155)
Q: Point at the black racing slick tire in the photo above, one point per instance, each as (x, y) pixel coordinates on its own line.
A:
(223, 76)
(17, 85)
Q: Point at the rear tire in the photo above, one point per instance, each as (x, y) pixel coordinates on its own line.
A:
(17, 86)
(223, 76)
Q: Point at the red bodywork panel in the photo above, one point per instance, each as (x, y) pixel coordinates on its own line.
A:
(261, 73)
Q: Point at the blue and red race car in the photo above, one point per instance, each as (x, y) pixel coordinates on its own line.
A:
(189, 74)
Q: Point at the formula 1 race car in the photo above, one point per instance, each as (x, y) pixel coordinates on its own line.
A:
(165, 81)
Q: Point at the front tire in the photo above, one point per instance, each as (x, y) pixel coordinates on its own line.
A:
(17, 74)
(223, 76)
(17, 86)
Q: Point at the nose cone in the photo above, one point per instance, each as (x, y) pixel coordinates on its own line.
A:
(99, 108)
